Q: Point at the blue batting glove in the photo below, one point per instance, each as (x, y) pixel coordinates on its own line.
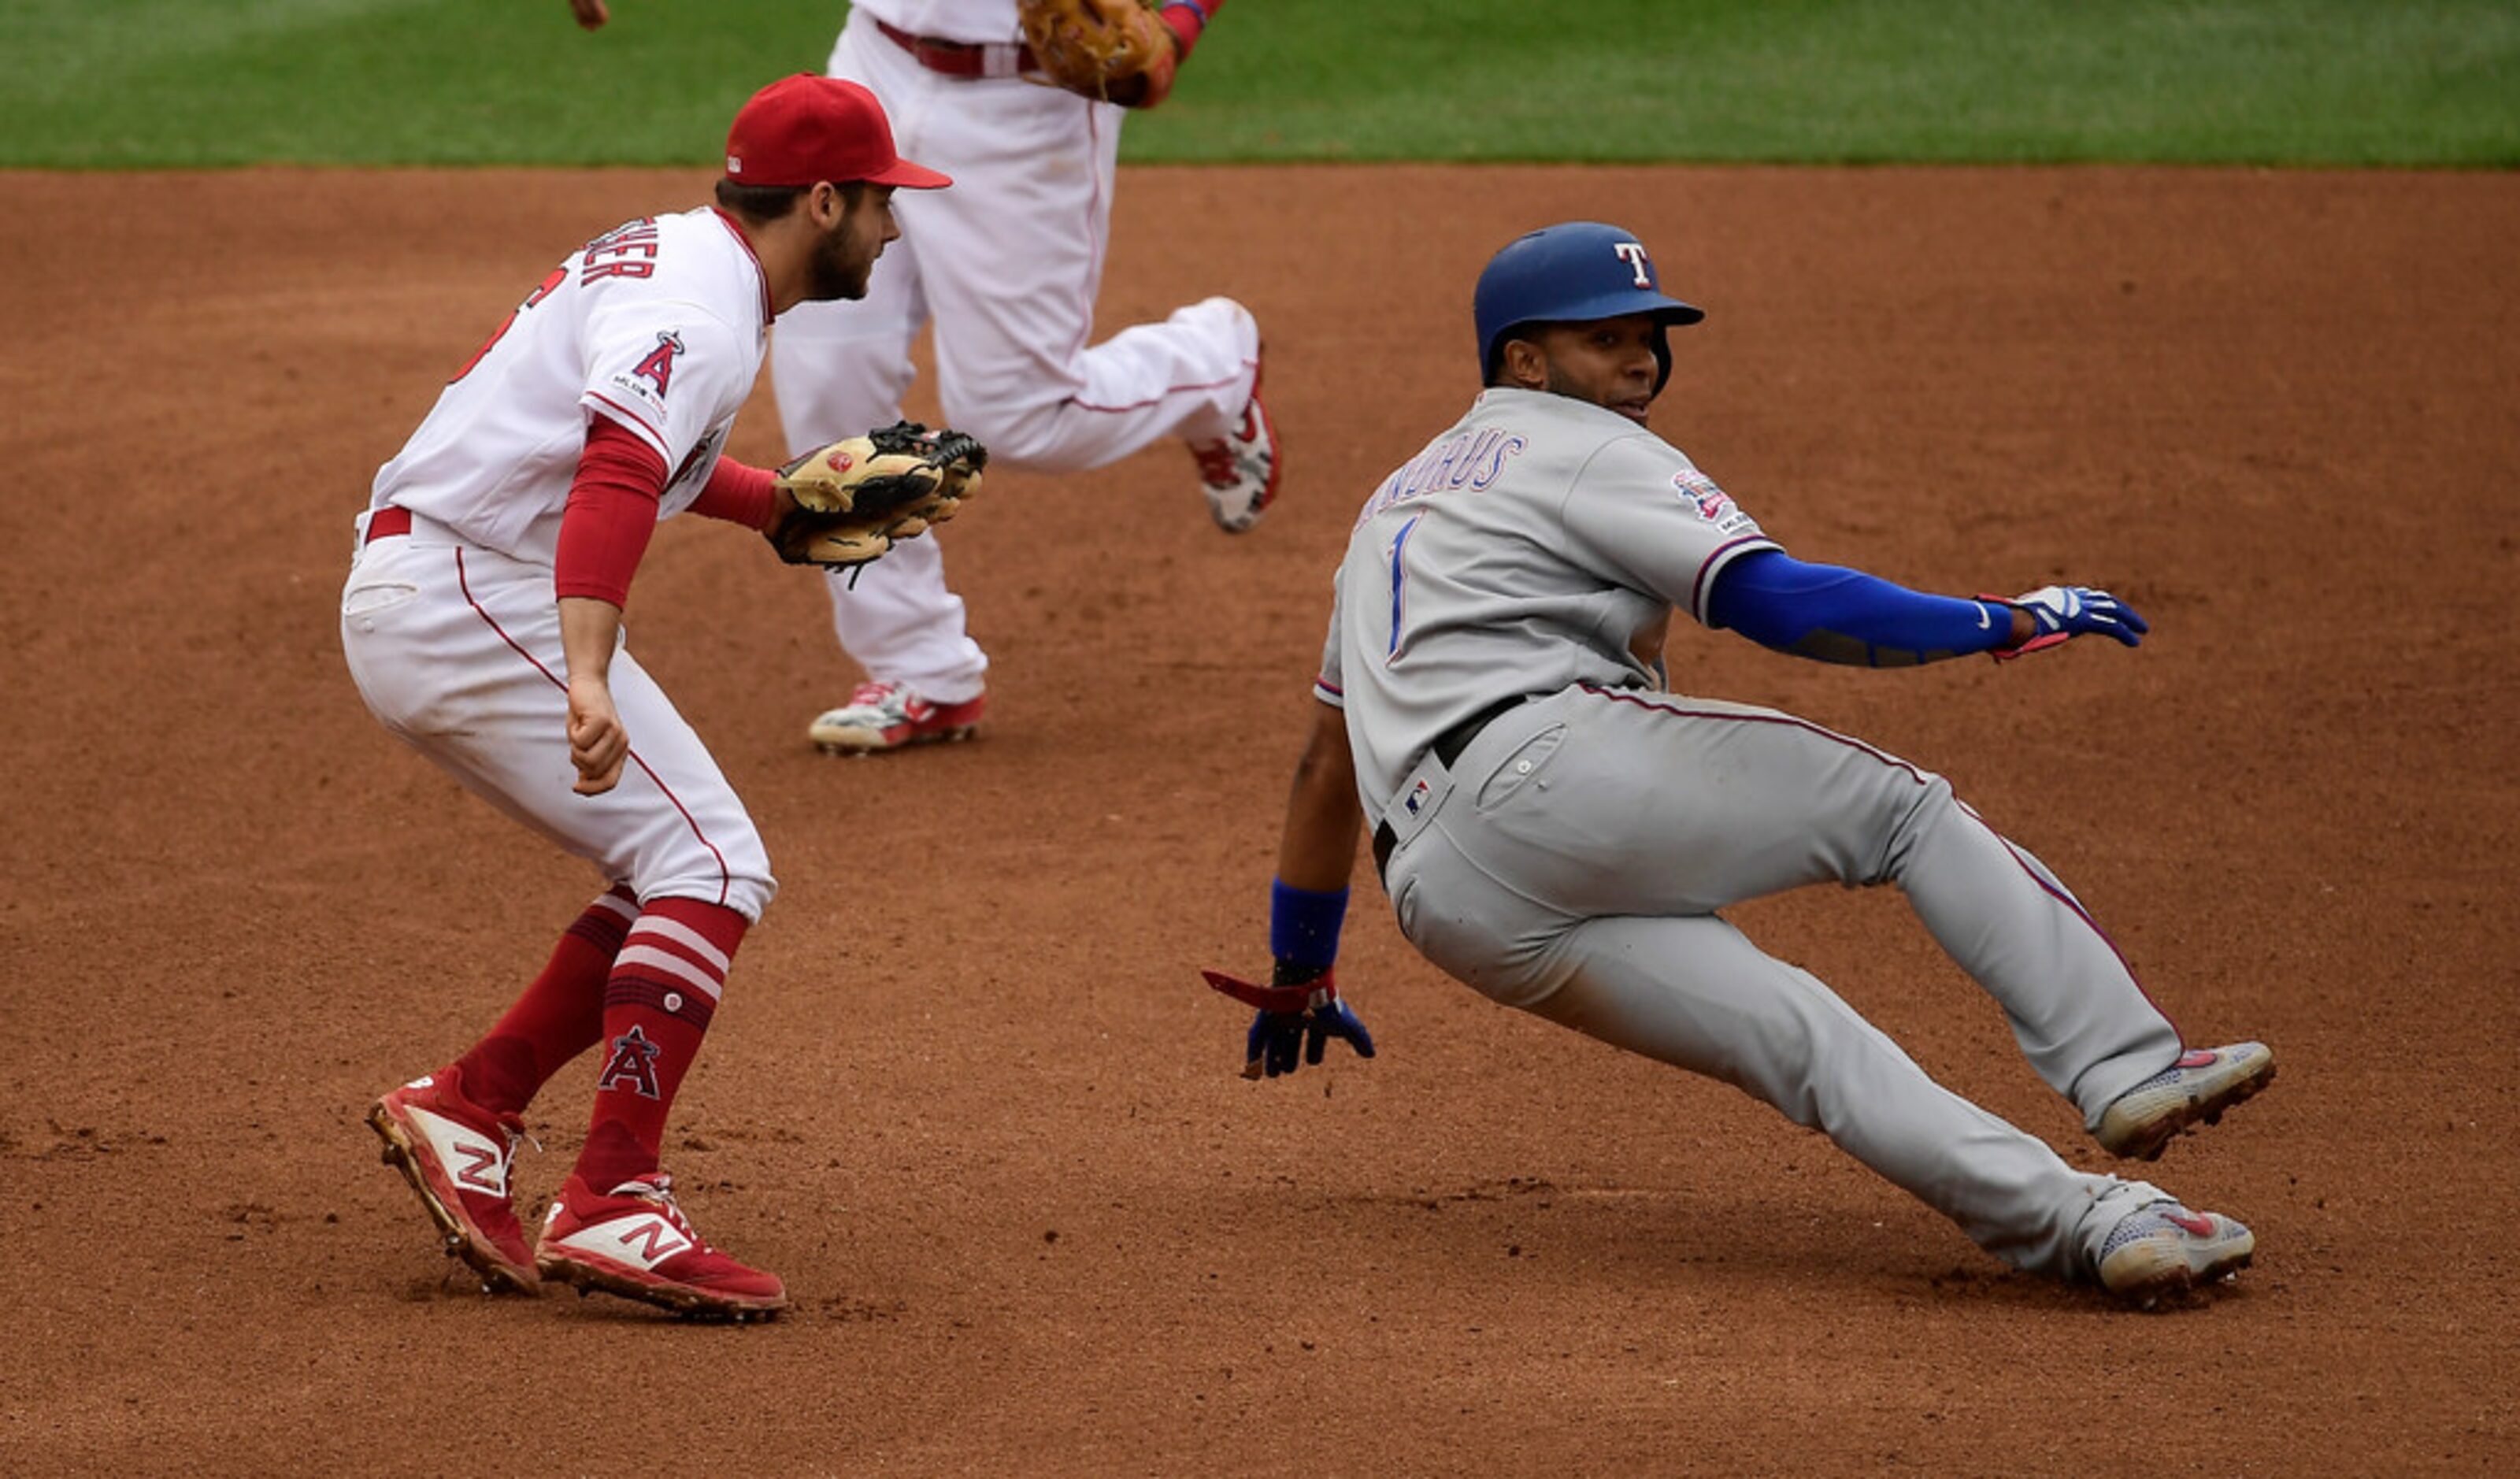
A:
(2059, 614)
(1291, 1019)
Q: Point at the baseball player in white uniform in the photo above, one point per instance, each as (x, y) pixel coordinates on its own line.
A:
(1007, 266)
(1557, 831)
(482, 623)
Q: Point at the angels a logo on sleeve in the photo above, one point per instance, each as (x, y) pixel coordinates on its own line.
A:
(653, 375)
(657, 369)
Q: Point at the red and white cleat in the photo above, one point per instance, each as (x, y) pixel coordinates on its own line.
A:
(635, 1241)
(457, 1155)
(1240, 470)
(889, 716)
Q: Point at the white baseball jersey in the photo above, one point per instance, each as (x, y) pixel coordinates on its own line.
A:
(1524, 550)
(659, 325)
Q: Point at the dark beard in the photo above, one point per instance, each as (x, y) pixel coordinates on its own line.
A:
(830, 274)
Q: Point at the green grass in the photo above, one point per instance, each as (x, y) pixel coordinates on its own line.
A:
(156, 84)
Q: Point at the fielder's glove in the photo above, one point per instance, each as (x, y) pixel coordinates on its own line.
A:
(1290, 1014)
(1113, 51)
(2059, 614)
(844, 505)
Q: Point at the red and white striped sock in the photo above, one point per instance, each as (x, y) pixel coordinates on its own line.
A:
(665, 987)
(557, 1017)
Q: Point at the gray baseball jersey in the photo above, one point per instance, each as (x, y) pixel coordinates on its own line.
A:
(1524, 550)
(1569, 857)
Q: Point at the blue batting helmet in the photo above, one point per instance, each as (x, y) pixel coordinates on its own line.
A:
(1572, 273)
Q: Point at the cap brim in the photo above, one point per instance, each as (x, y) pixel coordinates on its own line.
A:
(1670, 310)
(908, 176)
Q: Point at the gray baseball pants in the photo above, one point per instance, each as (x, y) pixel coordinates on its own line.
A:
(1571, 860)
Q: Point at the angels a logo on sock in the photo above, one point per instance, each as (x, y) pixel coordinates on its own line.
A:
(633, 1061)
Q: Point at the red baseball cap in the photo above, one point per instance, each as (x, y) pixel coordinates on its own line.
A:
(806, 130)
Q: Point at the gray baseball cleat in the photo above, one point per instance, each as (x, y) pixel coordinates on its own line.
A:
(2200, 1086)
(2163, 1248)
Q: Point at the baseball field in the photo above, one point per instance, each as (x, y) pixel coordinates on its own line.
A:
(2211, 304)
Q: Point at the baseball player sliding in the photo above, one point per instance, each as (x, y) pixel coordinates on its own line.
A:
(482, 623)
(1023, 101)
(1559, 833)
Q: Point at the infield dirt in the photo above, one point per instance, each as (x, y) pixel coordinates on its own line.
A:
(968, 1094)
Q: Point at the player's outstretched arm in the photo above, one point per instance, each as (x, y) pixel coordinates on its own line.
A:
(1298, 1013)
(1833, 614)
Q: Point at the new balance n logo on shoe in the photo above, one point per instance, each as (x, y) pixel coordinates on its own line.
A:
(481, 1170)
(633, 1063)
(656, 1240)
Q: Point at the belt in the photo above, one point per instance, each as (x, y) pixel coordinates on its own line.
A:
(1448, 747)
(962, 59)
(387, 523)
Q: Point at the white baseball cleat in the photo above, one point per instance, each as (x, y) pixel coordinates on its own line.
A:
(2164, 1248)
(889, 716)
(635, 1241)
(2200, 1086)
(1240, 468)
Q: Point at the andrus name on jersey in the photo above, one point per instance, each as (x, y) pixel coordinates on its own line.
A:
(618, 253)
(1471, 460)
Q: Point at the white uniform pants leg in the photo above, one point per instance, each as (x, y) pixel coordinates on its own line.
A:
(840, 369)
(457, 651)
(1007, 262)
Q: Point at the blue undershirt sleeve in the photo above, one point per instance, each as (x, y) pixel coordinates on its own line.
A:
(1833, 614)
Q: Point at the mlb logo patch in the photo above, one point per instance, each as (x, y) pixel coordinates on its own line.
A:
(1417, 801)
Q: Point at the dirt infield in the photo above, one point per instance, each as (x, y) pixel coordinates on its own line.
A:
(968, 1094)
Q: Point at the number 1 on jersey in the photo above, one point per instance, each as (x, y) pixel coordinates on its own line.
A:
(1399, 546)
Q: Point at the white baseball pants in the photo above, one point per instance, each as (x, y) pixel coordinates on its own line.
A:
(457, 651)
(1007, 263)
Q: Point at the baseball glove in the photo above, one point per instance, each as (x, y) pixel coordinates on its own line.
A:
(846, 504)
(1113, 51)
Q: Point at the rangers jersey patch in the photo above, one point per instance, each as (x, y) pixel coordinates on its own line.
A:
(1713, 504)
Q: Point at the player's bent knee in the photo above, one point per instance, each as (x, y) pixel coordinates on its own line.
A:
(746, 889)
(749, 897)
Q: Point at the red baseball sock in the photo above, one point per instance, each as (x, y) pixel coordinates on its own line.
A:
(559, 1016)
(665, 987)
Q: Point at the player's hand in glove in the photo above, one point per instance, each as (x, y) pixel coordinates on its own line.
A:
(1291, 1016)
(846, 504)
(1113, 51)
(2059, 614)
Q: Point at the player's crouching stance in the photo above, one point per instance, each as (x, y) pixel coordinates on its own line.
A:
(482, 623)
(1559, 833)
